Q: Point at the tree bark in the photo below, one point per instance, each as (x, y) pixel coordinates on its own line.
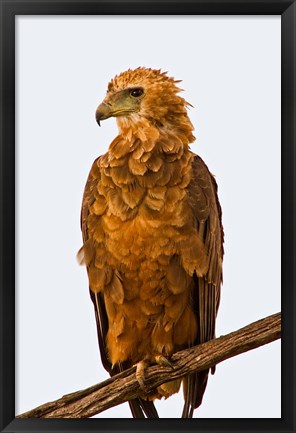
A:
(124, 386)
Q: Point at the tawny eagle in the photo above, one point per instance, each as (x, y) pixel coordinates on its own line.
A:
(153, 237)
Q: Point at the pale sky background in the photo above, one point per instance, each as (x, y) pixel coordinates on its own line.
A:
(230, 67)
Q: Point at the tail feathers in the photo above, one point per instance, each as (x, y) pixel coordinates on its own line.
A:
(140, 408)
(194, 387)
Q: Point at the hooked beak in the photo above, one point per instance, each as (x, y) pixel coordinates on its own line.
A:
(103, 112)
(118, 104)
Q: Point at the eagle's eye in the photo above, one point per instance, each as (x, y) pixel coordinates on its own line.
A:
(137, 92)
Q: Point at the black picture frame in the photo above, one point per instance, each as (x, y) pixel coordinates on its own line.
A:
(9, 9)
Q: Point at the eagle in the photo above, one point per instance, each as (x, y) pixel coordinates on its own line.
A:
(152, 237)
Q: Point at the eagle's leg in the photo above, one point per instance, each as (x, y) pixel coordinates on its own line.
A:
(140, 373)
(142, 365)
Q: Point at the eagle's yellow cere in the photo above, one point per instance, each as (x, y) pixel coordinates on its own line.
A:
(153, 239)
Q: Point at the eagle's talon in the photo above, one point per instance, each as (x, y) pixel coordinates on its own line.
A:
(163, 361)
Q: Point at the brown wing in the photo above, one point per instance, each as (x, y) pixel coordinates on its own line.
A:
(100, 311)
(204, 201)
(139, 407)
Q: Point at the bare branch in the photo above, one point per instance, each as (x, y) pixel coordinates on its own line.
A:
(124, 386)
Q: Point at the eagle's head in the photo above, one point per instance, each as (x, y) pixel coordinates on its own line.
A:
(142, 96)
